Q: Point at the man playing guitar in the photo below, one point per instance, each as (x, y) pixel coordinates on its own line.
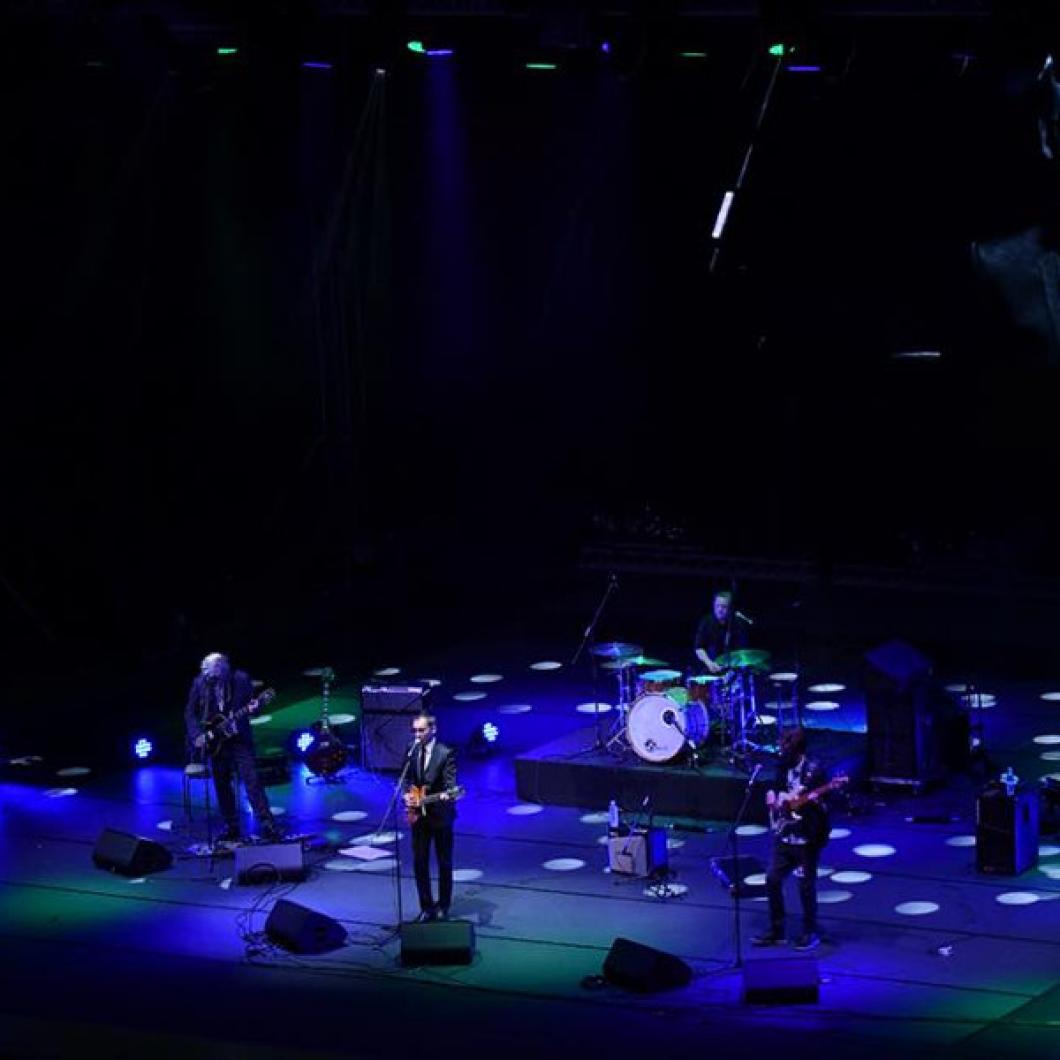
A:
(800, 824)
(217, 717)
(430, 792)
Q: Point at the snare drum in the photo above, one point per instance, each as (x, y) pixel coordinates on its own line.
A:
(704, 688)
(659, 729)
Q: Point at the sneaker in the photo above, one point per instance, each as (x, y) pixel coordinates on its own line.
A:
(426, 916)
(769, 938)
(230, 834)
(810, 941)
(271, 833)
(441, 913)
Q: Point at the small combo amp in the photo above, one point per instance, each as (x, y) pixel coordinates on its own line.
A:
(638, 852)
(270, 862)
(387, 716)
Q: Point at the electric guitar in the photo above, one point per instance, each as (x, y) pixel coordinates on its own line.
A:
(220, 728)
(417, 800)
(784, 812)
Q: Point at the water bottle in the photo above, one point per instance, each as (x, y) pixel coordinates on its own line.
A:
(612, 816)
(1010, 780)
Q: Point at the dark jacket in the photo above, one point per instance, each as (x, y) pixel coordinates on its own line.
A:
(441, 776)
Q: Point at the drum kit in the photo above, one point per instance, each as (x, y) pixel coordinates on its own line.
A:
(665, 715)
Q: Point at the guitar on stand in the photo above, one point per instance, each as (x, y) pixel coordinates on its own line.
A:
(326, 756)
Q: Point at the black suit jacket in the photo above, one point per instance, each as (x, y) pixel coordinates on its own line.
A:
(441, 776)
(238, 693)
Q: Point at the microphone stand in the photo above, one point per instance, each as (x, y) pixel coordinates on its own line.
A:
(612, 584)
(736, 885)
(397, 833)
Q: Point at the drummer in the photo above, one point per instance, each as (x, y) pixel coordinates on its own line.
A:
(718, 633)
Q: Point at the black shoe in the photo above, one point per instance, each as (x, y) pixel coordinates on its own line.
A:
(441, 913)
(810, 941)
(769, 938)
(230, 834)
(426, 916)
(271, 833)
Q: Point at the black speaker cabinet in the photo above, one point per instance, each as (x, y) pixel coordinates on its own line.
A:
(303, 930)
(783, 981)
(438, 942)
(639, 852)
(386, 722)
(906, 715)
(270, 862)
(1006, 830)
(641, 968)
(130, 855)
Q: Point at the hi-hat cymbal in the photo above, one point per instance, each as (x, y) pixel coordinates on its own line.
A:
(744, 658)
(320, 671)
(615, 649)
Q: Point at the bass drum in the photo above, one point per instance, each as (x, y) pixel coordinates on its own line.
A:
(658, 728)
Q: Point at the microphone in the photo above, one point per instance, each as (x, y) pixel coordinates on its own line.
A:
(415, 744)
(613, 579)
(743, 618)
(669, 717)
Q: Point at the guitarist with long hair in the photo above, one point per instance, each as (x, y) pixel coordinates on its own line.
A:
(430, 796)
(800, 823)
(217, 718)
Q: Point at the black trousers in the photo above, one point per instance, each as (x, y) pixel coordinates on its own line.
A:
(237, 756)
(786, 858)
(426, 832)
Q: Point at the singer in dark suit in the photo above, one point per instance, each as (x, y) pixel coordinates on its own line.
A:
(218, 689)
(432, 770)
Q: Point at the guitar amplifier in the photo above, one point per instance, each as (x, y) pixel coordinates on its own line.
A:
(638, 853)
(387, 713)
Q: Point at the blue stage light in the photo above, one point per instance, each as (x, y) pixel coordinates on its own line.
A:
(143, 748)
(304, 741)
(490, 732)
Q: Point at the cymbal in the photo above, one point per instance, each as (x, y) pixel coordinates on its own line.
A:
(704, 679)
(643, 660)
(615, 649)
(744, 658)
(320, 671)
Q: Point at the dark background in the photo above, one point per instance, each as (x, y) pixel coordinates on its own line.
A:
(305, 360)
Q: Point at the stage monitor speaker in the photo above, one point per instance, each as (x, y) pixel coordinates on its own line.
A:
(130, 855)
(270, 862)
(1006, 830)
(638, 853)
(438, 942)
(641, 968)
(303, 930)
(386, 720)
(783, 981)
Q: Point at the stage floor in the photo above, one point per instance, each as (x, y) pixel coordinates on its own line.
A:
(920, 952)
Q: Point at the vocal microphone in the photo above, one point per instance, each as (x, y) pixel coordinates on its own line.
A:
(415, 744)
(743, 618)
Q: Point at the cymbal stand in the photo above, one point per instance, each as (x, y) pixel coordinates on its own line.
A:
(599, 744)
(744, 715)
